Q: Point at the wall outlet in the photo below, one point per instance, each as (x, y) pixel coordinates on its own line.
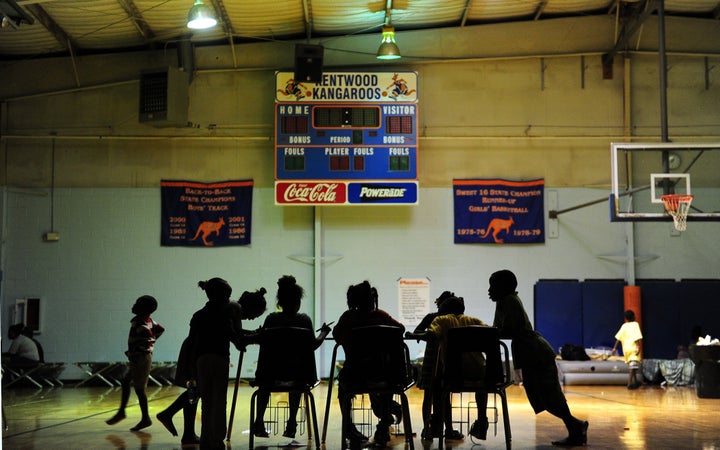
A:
(51, 236)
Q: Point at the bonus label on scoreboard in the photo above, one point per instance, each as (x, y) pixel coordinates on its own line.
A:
(347, 130)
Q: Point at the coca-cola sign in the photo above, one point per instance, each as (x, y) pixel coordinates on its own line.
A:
(310, 193)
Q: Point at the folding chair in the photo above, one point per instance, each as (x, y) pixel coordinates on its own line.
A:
(377, 361)
(17, 373)
(286, 363)
(498, 375)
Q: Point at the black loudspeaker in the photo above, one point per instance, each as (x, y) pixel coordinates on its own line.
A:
(308, 62)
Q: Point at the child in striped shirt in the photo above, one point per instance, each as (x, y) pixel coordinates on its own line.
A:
(144, 331)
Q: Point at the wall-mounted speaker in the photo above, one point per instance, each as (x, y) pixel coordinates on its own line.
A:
(164, 97)
(308, 62)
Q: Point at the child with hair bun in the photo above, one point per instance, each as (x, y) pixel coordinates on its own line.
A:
(211, 330)
(289, 297)
(249, 306)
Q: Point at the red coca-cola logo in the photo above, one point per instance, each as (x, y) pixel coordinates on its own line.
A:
(310, 193)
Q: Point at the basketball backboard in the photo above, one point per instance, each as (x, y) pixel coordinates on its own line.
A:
(642, 173)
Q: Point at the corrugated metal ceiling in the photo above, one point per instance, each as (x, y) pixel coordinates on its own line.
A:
(63, 27)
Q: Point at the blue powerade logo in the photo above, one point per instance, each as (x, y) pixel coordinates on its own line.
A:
(393, 193)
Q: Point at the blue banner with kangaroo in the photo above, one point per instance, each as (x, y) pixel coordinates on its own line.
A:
(206, 214)
(494, 211)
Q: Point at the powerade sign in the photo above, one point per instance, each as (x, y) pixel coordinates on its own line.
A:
(380, 193)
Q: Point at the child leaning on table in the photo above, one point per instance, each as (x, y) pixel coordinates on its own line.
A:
(630, 337)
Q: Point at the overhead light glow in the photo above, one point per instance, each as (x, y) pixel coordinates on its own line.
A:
(201, 17)
(388, 48)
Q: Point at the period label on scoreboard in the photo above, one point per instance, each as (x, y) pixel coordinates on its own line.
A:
(347, 128)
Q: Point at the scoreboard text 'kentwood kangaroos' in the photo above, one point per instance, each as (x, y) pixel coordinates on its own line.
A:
(350, 138)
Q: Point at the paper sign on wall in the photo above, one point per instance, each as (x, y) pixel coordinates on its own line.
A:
(414, 300)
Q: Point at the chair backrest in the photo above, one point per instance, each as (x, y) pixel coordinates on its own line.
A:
(377, 355)
(465, 342)
(41, 352)
(287, 354)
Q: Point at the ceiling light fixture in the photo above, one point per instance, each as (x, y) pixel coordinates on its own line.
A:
(388, 48)
(201, 17)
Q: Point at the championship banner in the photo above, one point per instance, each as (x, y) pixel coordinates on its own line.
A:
(499, 211)
(206, 214)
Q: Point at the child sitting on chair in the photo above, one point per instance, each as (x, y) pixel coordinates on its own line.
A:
(452, 315)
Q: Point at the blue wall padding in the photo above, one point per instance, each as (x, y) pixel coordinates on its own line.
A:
(558, 312)
(671, 310)
(602, 311)
(703, 308)
(662, 318)
(590, 312)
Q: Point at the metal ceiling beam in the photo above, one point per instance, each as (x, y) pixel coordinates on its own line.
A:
(137, 19)
(307, 16)
(58, 32)
(466, 12)
(540, 9)
(224, 18)
(227, 25)
(49, 23)
(631, 24)
(716, 12)
(613, 6)
(12, 12)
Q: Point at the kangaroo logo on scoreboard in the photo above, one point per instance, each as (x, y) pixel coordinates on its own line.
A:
(294, 88)
(400, 88)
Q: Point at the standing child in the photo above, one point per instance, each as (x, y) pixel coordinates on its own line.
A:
(630, 337)
(212, 328)
(144, 331)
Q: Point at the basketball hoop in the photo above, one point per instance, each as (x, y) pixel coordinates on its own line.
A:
(678, 206)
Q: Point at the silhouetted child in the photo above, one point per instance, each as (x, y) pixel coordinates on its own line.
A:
(630, 337)
(362, 301)
(249, 306)
(533, 356)
(289, 297)
(212, 329)
(427, 372)
(144, 331)
(452, 315)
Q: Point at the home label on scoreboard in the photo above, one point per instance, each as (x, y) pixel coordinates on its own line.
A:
(348, 126)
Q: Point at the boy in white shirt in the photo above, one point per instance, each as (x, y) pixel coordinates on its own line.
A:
(630, 337)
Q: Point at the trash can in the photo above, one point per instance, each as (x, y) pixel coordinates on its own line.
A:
(707, 370)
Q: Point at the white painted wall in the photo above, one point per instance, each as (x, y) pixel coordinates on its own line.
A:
(109, 253)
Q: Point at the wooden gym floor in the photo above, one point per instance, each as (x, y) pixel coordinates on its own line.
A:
(651, 417)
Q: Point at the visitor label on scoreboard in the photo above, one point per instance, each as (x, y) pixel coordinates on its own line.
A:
(348, 87)
(301, 192)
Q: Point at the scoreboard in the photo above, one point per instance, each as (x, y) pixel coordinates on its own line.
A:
(350, 138)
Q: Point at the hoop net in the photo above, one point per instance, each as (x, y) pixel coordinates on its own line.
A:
(678, 206)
